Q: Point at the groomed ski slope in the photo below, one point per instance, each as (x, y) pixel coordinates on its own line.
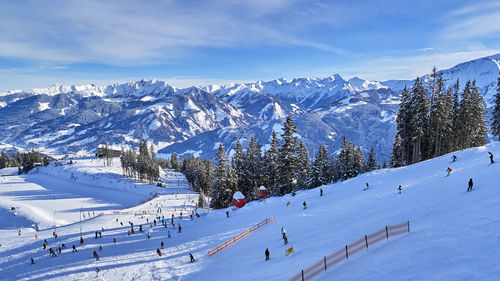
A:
(454, 235)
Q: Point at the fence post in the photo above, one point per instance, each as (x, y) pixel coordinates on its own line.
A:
(324, 259)
(302, 275)
(387, 232)
(408, 226)
(346, 252)
(366, 241)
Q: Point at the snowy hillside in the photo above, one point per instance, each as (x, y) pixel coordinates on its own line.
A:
(454, 234)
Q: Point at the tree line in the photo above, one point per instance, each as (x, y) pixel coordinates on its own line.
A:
(284, 168)
(25, 161)
(433, 120)
(143, 166)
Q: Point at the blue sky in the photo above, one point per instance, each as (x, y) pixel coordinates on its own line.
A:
(204, 42)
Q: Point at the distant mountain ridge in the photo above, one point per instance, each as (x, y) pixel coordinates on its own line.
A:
(194, 120)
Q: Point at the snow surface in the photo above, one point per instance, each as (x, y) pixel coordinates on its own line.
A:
(454, 234)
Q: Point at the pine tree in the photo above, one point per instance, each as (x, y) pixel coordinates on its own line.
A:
(403, 136)
(221, 192)
(303, 168)
(372, 162)
(319, 171)
(495, 124)
(465, 122)
(253, 170)
(174, 162)
(4, 160)
(455, 123)
(479, 120)
(419, 120)
(343, 168)
(238, 166)
(271, 166)
(288, 156)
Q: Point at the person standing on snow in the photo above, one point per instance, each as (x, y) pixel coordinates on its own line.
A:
(491, 158)
(321, 192)
(470, 185)
(158, 252)
(227, 214)
(453, 158)
(305, 205)
(191, 258)
(162, 244)
(448, 171)
(400, 188)
(267, 254)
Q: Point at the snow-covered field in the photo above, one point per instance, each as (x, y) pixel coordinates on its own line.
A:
(454, 235)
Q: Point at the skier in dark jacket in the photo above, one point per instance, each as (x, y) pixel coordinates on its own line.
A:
(321, 192)
(162, 244)
(74, 248)
(267, 254)
(191, 258)
(491, 158)
(470, 185)
(305, 205)
(453, 158)
(227, 213)
(32, 261)
(158, 252)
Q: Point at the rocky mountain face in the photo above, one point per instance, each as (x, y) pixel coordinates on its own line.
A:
(193, 121)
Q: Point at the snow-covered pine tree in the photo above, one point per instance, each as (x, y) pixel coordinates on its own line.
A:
(479, 120)
(419, 120)
(372, 162)
(465, 122)
(221, 192)
(343, 167)
(403, 122)
(397, 154)
(320, 162)
(303, 173)
(272, 166)
(237, 165)
(288, 156)
(455, 123)
(440, 119)
(252, 170)
(495, 124)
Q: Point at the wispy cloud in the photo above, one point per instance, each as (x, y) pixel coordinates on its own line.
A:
(139, 32)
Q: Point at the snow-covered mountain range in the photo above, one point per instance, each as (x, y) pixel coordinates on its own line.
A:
(193, 121)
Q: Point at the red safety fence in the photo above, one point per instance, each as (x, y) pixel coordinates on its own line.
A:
(350, 249)
(239, 236)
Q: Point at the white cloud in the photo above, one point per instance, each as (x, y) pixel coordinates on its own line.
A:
(145, 32)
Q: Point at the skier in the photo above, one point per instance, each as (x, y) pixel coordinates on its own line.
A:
(149, 235)
(400, 189)
(140, 228)
(191, 258)
(158, 252)
(267, 254)
(491, 158)
(305, 205)
(321, 192)
(32, 261)
(169, 236)
(180, 228)
(63, 246)
(45, 244)
(100, 247)
(81, 240)
(52, 253)
(367, 186)
(114, 240)
(100, 234)
(96, 235)
(162, 244)
(97, 271)
(227, 213)
(285, 239)
(74, 248)
(453, 158)
(59, 250)
(19, 232)
(448, 171)
(470, 185)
